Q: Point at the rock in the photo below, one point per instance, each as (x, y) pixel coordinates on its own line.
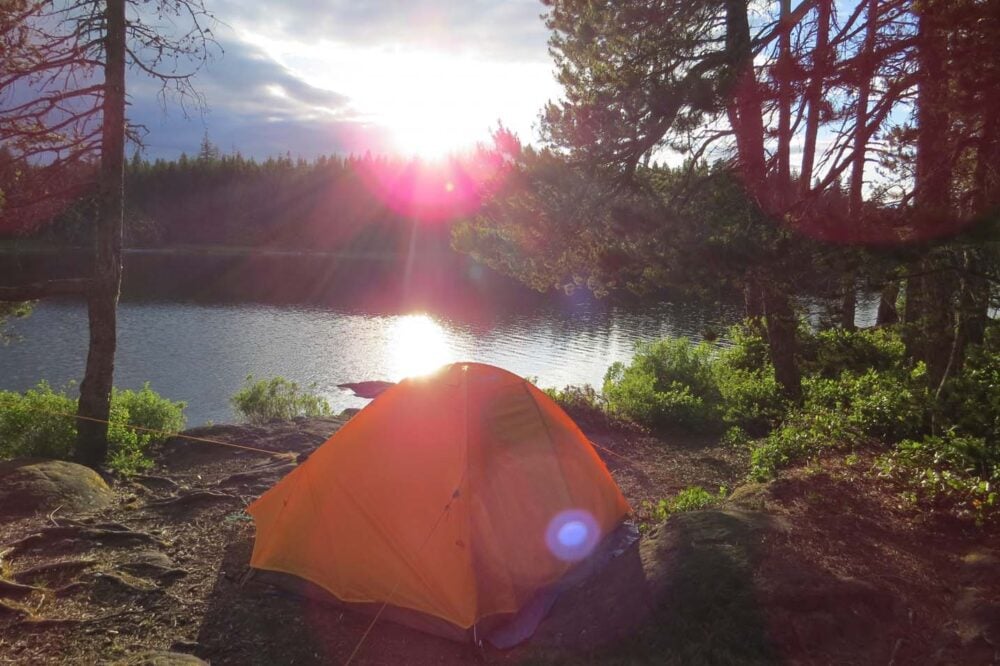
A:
(34, 485)
(366, 389)
(162, 658)
(151, 565)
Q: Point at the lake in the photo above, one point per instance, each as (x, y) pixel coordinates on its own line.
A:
(202, 352)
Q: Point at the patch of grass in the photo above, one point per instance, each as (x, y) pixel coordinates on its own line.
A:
(692, 498)
(277, 398)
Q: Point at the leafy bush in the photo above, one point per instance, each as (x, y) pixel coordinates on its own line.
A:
(578, 400)
(750, 399)
(960, 472)
(277, 399)
(748, 348)
(669, 382)
(804, 434)
(879, 404)
(970, 401)
(832, 352)
(150, 412)
(35, 423)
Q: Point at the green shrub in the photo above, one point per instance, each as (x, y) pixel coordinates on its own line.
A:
(578, 400)
(35, 423)
(750, 399)
(748, 348)
(804, 434)
(832, 352)
(668, 383)
(970, 401)
(277, 399)
(153, 414)
(959, 472)
(878, 404)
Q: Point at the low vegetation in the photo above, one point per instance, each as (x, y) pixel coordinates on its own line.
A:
(861, 390)
(40, 423)
(277, 398)
(689, 499)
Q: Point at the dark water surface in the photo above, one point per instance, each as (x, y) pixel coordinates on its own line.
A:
(201, 353)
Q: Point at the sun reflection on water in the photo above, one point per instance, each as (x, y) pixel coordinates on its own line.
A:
(418, 345)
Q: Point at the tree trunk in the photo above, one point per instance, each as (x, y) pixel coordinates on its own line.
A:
(887, 313)
(849, 303)
(784, 104)
(782, 333)
(102, 298)
(933, 318)
(744, 108)
(973, 300)
(814, 93)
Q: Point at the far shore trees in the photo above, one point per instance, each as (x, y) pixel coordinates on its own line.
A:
(63, 124)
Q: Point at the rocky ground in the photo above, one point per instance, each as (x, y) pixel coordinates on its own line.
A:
(823, 566)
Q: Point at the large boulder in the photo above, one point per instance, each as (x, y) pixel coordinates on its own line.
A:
(34, 485)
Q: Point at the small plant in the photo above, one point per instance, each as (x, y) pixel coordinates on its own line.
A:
(578, 400)
(692, 498)
(803, 435)
(277, 399)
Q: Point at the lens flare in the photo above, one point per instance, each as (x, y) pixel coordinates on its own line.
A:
(572, 535)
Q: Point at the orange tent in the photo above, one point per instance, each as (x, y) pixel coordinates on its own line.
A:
(458, 496)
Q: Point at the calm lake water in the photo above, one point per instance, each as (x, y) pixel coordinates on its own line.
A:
(201, 353)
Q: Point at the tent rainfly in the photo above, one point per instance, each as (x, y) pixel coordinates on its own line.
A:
(454, 500)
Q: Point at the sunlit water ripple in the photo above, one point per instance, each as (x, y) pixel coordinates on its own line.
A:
(202, 353)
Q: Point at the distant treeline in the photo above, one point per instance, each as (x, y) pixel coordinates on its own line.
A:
(355, 205)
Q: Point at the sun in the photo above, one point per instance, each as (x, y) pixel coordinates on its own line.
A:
(439, 107)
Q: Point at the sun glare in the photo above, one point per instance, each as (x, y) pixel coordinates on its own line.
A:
(427, 103)
(418, 345)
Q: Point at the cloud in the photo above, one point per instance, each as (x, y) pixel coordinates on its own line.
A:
(507, 30)
(298, 76)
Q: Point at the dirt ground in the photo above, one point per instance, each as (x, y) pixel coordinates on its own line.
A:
(823, 566)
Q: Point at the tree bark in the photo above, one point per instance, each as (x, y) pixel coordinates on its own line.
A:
(814, 93)
(102, 297)
(784, 73)
(887, 313)
(782, 334)
(849, 303)
(932, 338)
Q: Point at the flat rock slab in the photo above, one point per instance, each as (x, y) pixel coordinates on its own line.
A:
(35, 485)
(162, 658)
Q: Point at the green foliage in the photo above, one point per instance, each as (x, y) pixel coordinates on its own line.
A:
(668, 383)
(675, 382)
(692, 498)
(39, 423)
(970, 401)
(803, 435)
(277, 399)
(878, 404)
(578, 400)
(33, 423)
(143, 409)
(959, 472)
(832, 352)
(12, 310)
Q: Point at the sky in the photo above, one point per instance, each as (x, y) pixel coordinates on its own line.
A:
(311, 77)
